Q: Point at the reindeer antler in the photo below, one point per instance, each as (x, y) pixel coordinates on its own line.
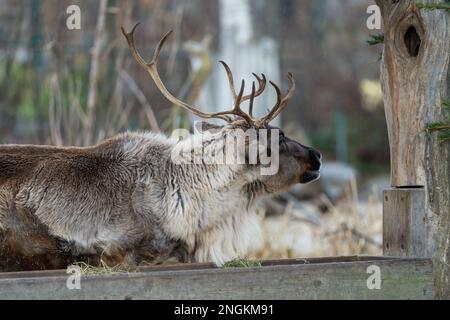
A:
(281, 102)
(152, 69)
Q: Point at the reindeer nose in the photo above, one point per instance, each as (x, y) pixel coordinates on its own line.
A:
(315, 154)
(315, 159)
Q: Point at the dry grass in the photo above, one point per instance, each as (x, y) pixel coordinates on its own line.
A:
(349, 228)
(103, 269)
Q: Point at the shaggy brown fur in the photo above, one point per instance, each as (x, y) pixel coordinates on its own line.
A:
(125, 201)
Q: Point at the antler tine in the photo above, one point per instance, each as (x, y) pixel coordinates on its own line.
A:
(159, 47)
(152, 69)
(238, 100)
(230, 79)
(281, 102)
(278, 91)
(130, 39)
(237, 105)
(252, 98)
(262, 84)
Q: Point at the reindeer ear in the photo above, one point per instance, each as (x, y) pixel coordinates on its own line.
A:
(202, 126)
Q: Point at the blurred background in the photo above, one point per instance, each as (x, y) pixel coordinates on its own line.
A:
(78, 87)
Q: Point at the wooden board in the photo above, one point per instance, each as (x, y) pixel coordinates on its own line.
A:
(404, 222)
(321, 278)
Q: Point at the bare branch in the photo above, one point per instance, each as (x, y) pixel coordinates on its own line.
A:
(142, 100)
(94, 72)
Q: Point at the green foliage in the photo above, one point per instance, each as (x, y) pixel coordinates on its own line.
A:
(446, 105)
(26, 110)
(376, 39)
(442, 127)
(433, 6)
(242, 263)
(2, 70)
(325, 140)
(368, 143)
(17, 98)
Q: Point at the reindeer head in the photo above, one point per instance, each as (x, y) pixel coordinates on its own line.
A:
(296, 163)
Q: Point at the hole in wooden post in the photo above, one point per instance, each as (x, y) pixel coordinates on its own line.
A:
(412, 41)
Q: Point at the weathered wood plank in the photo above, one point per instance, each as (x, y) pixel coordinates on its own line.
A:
(404, 227)
(400, 279)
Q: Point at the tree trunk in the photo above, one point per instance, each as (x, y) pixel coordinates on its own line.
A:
(415, 80)
(95, 72)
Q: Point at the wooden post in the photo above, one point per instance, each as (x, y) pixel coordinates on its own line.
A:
(404, 219)
(415, 81)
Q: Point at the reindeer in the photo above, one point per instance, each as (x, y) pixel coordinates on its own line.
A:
(127, 199)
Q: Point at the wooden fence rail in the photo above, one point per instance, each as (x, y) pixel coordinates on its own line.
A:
(321, 278)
